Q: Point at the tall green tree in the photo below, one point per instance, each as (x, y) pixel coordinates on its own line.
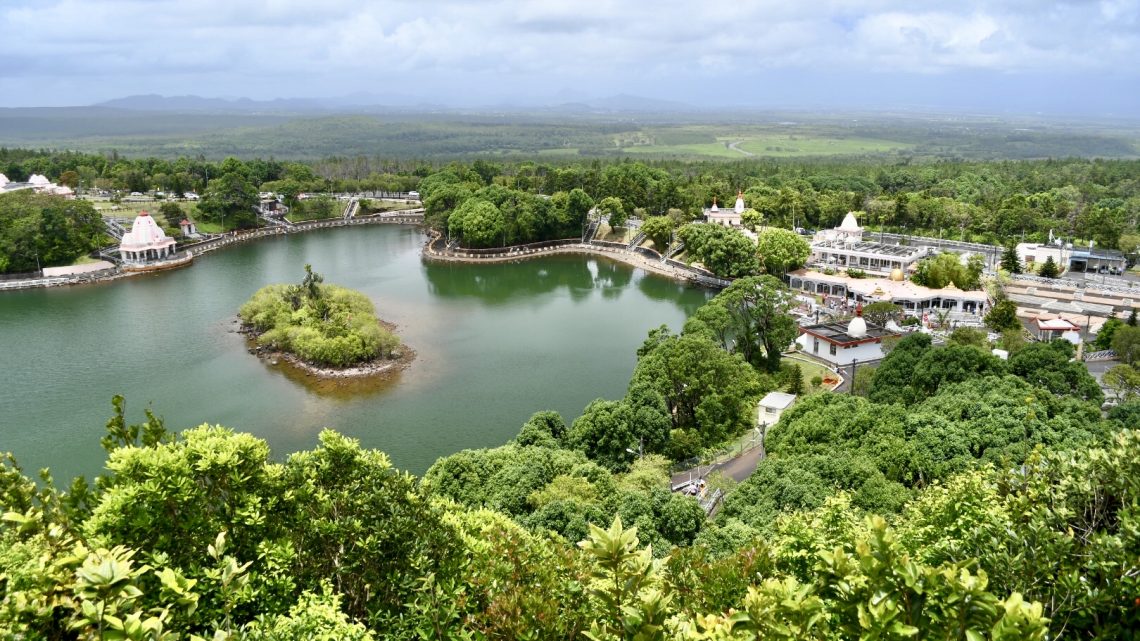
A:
(231, 200)
(1009, 260)
(781, 250)
(760, 326)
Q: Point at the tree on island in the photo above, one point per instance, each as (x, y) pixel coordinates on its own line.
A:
(320, 324)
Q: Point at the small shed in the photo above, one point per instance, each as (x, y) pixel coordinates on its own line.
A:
(772, 407)
(188, 228)
(1048, 329)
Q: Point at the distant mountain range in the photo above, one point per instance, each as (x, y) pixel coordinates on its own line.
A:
(369, 103)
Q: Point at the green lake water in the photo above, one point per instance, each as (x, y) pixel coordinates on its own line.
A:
(494, 344)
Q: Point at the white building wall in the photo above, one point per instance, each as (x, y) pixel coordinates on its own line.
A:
(863, 352)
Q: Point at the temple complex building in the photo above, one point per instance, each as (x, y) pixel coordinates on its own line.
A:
(844, 248)
(726, 217)
(145, 242)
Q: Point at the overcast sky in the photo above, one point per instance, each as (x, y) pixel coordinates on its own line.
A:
(1022, 56)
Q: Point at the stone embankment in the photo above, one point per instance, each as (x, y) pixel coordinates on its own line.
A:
(214, 243)
(647, 259)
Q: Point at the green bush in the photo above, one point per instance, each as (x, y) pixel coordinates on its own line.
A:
(322, 324)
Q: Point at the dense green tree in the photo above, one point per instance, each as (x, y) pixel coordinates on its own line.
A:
(757, 320)
(723, 251)
(1009, 260)
(611, 206)
(38, 230)
(795, 380)
(969, 336)
(707, 391)
(1124, 380)
(172, 214)
(231, 200)
(781, 250)
(1126, 344)
(478, 223)
(1002, 316)
(946, 268)
(659, 229)
(1049, 365)
(1049, 269)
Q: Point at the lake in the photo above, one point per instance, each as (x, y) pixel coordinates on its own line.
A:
(495, 343)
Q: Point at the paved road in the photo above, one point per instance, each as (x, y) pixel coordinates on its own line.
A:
(733, 146)
(737, 469)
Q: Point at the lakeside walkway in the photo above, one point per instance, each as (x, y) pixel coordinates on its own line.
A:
(640, 257)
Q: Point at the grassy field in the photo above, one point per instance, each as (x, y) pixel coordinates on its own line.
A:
(786, 145)
(744, 141)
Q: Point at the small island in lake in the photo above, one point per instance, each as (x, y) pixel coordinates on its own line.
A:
(326, 330)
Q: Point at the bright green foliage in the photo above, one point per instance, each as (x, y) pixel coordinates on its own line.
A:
(969, 336)
(781, 250)
(626, 586)
(50, 229)
(1003, 316)
(1107, 331)
(946, 268)
(724, 251)
(751, 219)
(322, 324)
(478, 223)
(612, 207)
(315, 616)
(880, 453)
(545, 429)
(659, 229)
(1060, 530)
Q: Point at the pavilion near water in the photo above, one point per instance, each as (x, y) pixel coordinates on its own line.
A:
(146, 242)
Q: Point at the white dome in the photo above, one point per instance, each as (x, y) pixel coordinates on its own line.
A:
(857, 328)
(849, 223)
(739, 205)
(4, 180)
(145, 234)
(39, 180)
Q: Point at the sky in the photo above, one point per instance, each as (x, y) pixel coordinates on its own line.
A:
(1080, 57)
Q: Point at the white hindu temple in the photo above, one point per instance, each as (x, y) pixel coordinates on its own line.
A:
(145, 242)
(726, 217)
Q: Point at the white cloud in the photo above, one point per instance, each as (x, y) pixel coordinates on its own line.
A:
(131, 46)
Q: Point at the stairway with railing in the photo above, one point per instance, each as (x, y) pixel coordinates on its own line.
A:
(637, 240)
(673, 250)
(591, 230)
(114, 228)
